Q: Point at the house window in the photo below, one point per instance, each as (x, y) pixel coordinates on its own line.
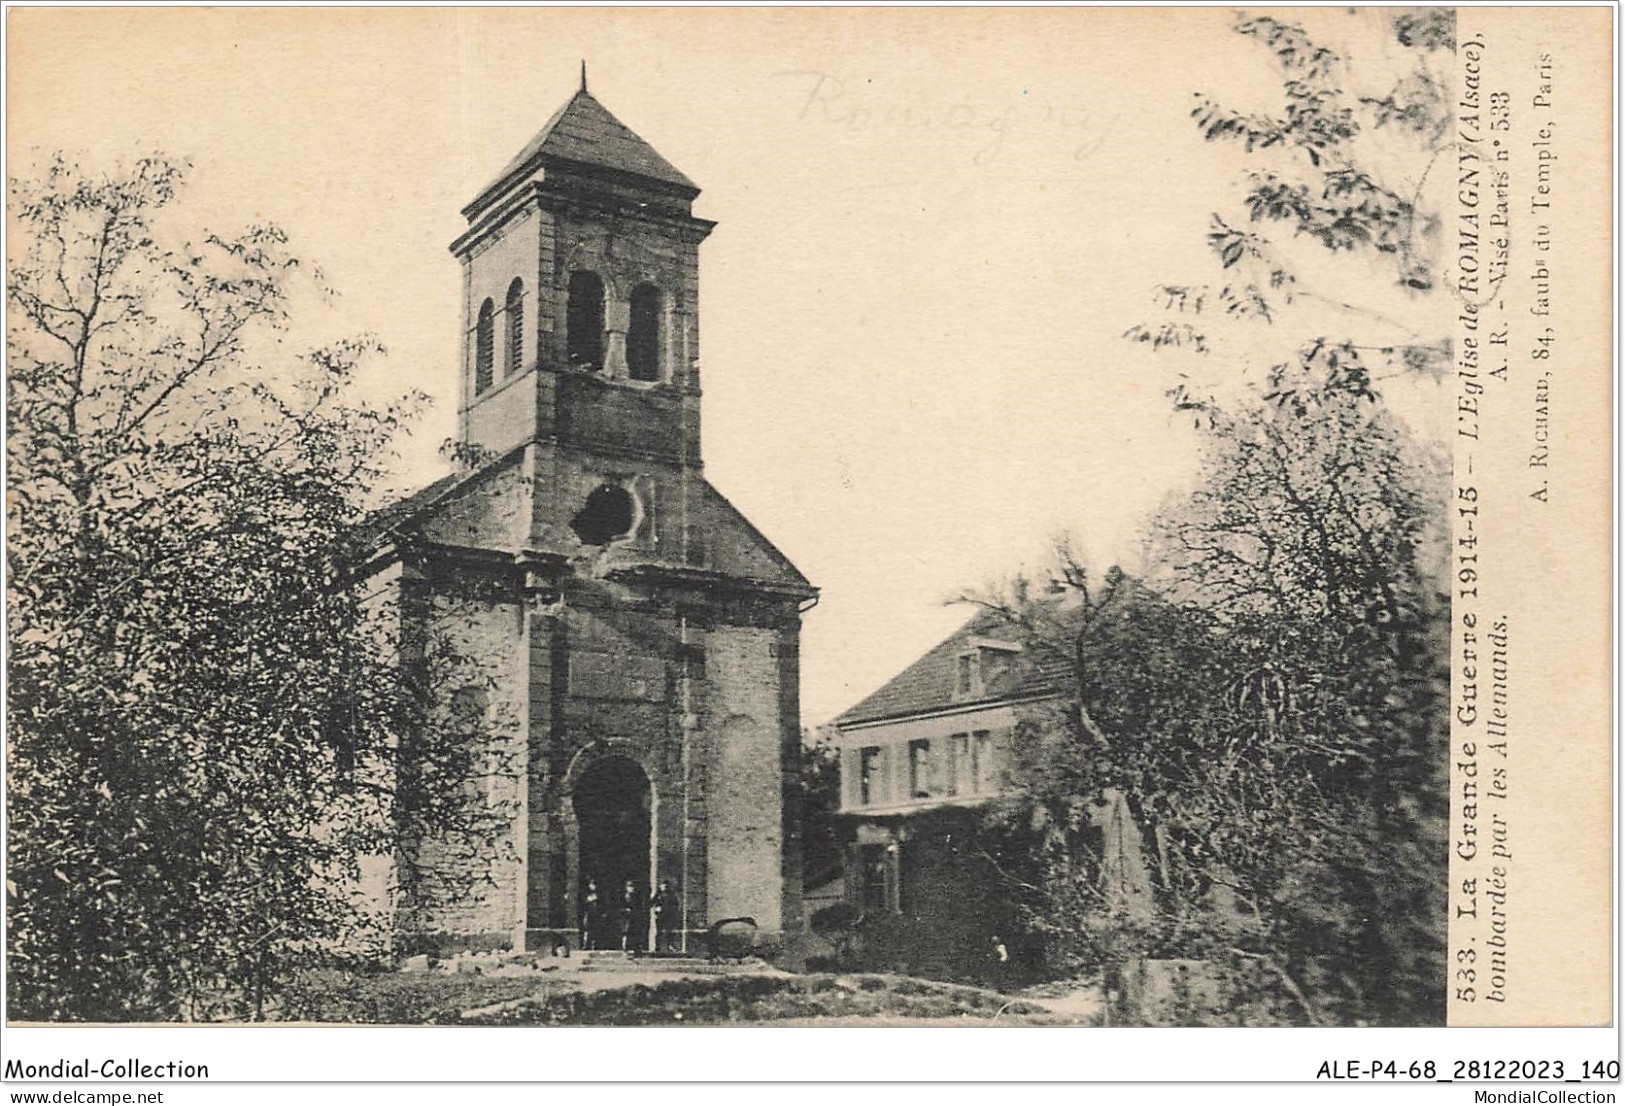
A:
(984, 761)
(484, 338)
(921, 779)
(959, 765)
(643, 334)
(584, 322)
(870, 784)
(515, 311)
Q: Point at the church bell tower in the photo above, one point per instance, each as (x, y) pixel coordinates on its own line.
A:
(580, 326)
(634, 641)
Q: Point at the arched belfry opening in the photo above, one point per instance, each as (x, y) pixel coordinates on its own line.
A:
(584, 321)
(614, 808)
(643, 353)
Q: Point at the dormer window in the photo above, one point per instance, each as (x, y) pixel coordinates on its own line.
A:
(584, 322)
(981, 667)
(995, 663)
(965, 681)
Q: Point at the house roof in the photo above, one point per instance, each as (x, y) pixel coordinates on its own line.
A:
(583, 133)
(927, 685)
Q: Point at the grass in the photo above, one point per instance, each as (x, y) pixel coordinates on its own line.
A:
(395, 998)
(735, 999)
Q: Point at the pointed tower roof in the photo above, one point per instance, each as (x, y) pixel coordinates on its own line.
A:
(584, 135)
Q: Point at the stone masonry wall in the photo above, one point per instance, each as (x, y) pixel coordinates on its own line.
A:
(505, 414)
(492, 512)
(478, 663)
(744, 833)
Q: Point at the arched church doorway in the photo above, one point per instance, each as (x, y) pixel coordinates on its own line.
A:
(613, 808)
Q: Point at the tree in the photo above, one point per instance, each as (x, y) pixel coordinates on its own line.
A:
(1313, 541)
(1269, 709)
(203, 707)
(1342, 169)
(1082, 836)
(1270, 704)
(1317, 535)
(837, 923)
(814, 786)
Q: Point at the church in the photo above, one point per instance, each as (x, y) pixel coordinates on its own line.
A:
(623, 642)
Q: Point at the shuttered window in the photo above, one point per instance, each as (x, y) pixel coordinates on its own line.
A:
(514, 309)
(484, 338)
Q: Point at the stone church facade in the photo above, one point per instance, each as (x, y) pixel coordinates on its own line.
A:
(628, 642)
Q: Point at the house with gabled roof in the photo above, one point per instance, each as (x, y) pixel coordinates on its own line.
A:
(922, 758)
(938, 732)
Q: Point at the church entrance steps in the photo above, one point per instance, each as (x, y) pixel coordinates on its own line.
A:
(591, 961)
(625, 962)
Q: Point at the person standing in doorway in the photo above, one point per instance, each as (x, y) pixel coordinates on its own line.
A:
(590, 915)
(665, 907)
(629, 918)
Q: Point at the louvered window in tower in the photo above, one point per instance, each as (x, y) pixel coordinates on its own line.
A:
(514, 309)
(643, 335)
(484, 338)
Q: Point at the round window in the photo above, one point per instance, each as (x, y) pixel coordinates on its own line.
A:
(607, 515)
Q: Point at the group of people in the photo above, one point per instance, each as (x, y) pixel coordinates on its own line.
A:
(622, 921)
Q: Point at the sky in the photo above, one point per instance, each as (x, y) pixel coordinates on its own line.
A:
(934, 227)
